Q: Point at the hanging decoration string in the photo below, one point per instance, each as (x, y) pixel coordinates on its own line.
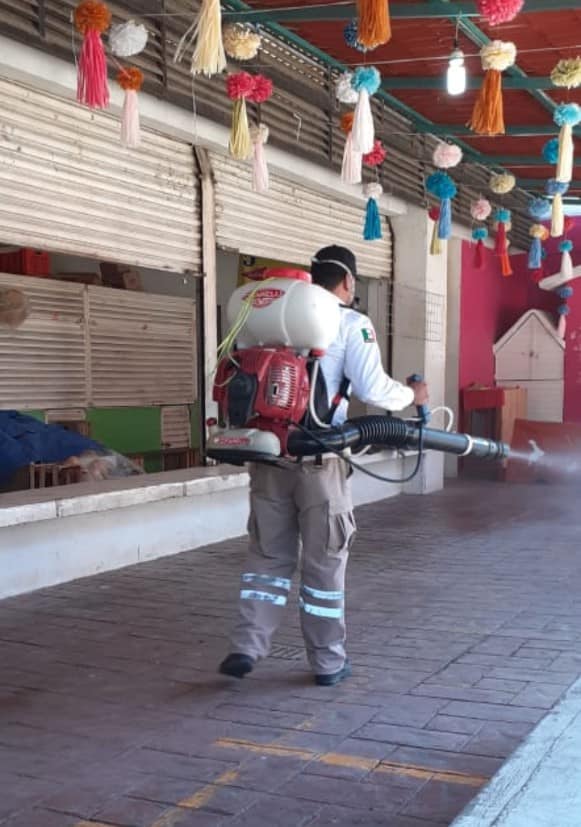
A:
(566, 116)
(372, 227)
(131, 81)
(373, 23)
(128, 39)
(92, 19)
(502, 220)
(557, 190)
(208, 57)
(352, 161)
(488, 113)
(441, 186)
(366, 81)
(480, 210)
(239, 86)
(496, 12)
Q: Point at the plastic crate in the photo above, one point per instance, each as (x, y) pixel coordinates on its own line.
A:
(25, 262)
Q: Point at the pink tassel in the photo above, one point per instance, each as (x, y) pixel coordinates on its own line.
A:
(260, 176)
(130, 131)
(562, 327)
(352, 163)
(92, 84)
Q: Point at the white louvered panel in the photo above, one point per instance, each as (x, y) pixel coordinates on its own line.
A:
(290, 222)
(143, 349)
(42, 363)
(67, 185)
(176, 430)
(545, 400)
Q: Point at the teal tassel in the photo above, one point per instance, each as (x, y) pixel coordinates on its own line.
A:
(372, 229)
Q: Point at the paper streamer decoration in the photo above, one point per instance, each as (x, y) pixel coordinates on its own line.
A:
(92, 19)
(365, 81)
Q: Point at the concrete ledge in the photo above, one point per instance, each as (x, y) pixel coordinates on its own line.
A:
(54, 535)
(540, 784)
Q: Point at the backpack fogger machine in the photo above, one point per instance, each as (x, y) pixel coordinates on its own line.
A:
(271, 396)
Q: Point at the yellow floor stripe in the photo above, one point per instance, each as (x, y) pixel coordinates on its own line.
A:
(355, 762)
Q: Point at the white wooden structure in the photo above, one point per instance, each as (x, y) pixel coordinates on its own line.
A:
(532, 355)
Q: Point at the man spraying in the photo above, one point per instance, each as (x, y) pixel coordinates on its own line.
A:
(310, 503)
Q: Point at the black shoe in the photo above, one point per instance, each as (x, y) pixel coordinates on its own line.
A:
(335, 677)
(236, 665)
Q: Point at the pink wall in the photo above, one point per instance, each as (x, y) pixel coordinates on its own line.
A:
(490, 304)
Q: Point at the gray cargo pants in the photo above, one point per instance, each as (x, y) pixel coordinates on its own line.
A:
(309, 503)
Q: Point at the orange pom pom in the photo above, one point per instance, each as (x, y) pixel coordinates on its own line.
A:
(91, 15)
(130, 78)
(347, 122)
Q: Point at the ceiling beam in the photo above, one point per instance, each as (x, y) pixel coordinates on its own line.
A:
(519, 161)
(407, 11)
(439, 82)
(520, 131)
(539, 184)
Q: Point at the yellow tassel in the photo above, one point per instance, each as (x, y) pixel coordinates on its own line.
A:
(240, 144)
(209, 57)
(566, 152)
(436, 245)
(373, 23)
(557, 218)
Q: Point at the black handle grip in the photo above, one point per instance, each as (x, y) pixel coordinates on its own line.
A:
(423, 410)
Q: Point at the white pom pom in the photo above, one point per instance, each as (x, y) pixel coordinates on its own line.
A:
(343, 89)
(373, 190)
(127, 39)
(498, 55)
(447, 156)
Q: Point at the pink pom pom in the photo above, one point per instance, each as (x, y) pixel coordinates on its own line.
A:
(481, 209)
(239, 85)
(376, 156)
(447, 156)
(262, 89)
(499, 11)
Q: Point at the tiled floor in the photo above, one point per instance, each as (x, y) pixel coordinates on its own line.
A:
(464, 620)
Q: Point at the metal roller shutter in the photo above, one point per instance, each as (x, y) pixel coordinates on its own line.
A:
(67, 185)
(290, 222)
(143, 349)
(89, 346)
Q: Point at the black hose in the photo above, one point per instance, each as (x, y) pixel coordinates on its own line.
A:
(393, 433)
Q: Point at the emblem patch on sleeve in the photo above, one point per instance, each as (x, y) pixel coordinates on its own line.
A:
(368, 334)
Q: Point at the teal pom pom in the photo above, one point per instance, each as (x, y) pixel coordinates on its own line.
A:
(501, 215)
(540, 209)
(551, 151)
(565, 246)
(479, 233)
(567, 114)
(563, 310)
(441, 185)
(366, 78)
(565, 292)
(554, 187)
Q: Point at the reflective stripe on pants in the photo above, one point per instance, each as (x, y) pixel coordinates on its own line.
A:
(306, 505)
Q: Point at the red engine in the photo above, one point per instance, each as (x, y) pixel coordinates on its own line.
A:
(264, 388)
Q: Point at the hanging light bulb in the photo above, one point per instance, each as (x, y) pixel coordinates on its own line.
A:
(456, 74)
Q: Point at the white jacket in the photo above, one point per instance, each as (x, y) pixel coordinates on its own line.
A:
(356, 355)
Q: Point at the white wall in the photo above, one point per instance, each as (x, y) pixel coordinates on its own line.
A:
(419, 308)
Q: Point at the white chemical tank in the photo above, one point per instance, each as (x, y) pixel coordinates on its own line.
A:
(285, 312)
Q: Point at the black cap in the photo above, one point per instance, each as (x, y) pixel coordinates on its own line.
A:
(333, 261)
